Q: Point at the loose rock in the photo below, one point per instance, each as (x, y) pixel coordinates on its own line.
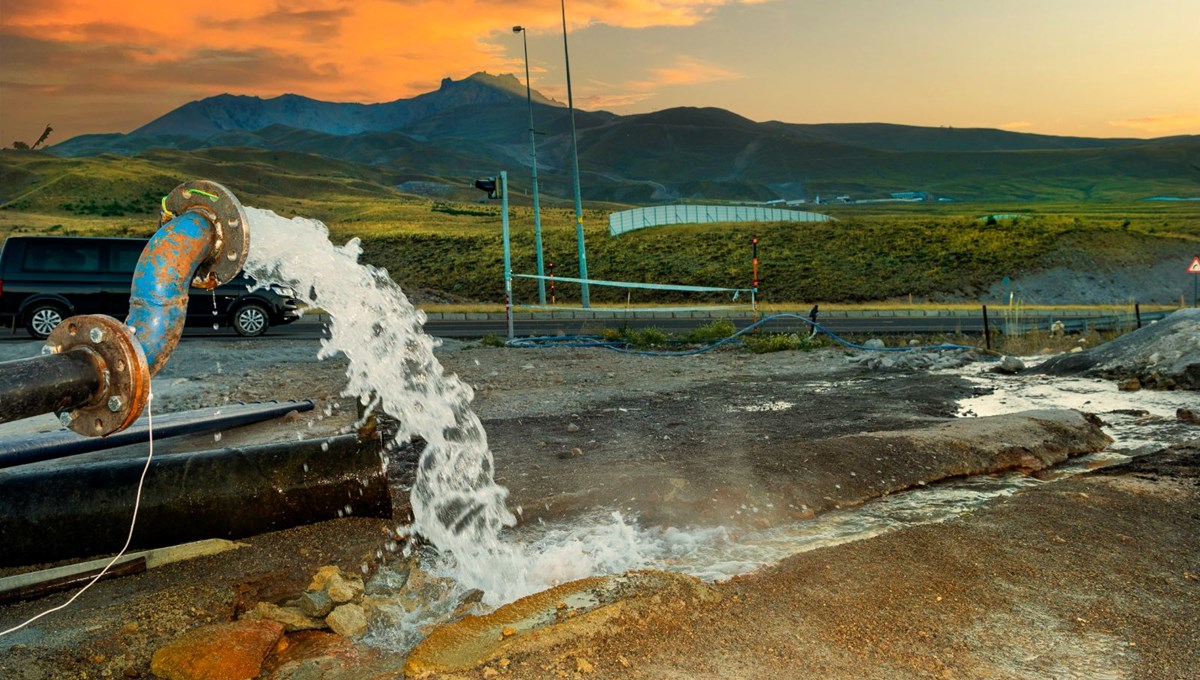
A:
(322, 575)
(316, 604)
(291, 617)
(224, 650)
(342, 589)
(348, 620)
(1009, 365)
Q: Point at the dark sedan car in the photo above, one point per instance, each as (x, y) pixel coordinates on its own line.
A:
(45, 279)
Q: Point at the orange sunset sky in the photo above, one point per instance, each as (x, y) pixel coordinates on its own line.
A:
(1074, 67)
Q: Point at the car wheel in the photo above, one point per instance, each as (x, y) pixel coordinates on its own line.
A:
(43, 318)
(251, 319)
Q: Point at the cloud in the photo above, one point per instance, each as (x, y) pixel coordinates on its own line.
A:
(160, 55)
(688, 71)
(682, 71)
(1184, 123)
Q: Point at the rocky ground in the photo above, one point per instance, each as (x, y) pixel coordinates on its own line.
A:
(1091, 577)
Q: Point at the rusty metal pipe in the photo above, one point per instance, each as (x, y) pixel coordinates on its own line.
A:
(159, 298)
(202, 242)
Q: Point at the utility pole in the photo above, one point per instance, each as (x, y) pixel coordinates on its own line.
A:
(537, 213)
(502, 185)
(575, 165)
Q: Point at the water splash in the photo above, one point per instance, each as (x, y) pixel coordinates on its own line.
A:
(456, 504)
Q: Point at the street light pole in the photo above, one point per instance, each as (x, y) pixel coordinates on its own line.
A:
(575, 164)
(537, 213)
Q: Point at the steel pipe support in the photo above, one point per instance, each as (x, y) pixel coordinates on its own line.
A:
(51, 382)
(54, 511)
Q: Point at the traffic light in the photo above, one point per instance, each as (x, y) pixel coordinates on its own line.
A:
(490, 185)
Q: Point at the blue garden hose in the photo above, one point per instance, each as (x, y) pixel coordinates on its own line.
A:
(620, 346)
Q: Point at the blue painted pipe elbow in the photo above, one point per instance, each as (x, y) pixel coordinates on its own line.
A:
(158, 299)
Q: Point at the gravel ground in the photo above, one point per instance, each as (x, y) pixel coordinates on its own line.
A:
(1093, 577)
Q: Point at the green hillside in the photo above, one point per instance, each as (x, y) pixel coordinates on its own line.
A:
(874, 252)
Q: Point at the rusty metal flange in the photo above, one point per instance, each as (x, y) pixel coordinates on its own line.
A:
(124, 373)
(228, 218)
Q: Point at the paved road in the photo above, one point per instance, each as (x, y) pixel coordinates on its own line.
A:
(495, 324)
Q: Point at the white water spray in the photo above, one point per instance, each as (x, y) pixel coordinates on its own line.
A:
(456, 503)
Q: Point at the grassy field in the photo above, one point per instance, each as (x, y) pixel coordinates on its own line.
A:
(872, 253)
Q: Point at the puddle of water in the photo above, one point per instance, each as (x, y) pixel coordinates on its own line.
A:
(763, 407)
(1138, 422)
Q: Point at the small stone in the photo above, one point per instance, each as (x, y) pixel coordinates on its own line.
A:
(322, 575)
(489, 672)
(572, 427)
(1187, 415)
(503, 663)
(222, 650)
(343, 589)
(1009, 365)
(573, 453)
(316, 604)
(1130, 385)
(507, 632)
(582, 665)
(875, 343)
(291, 617)
(348, 620)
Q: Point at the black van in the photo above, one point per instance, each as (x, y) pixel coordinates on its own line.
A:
(45, 279)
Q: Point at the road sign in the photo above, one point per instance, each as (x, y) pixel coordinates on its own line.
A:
(1194, 267)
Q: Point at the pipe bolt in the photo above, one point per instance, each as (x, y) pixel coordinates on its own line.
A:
(65, 418)
(114, 404)
(96, 335)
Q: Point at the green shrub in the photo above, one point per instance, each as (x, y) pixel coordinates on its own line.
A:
(492, 341)
(779, 342)
(646, 337)
(710, 333)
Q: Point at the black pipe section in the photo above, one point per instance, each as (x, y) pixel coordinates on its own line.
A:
(50, 513)
(42, 446)
(47, 383)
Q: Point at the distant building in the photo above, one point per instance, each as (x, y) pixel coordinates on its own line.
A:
(910, 195)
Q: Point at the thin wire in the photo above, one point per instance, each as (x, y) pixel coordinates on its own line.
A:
(133, 523)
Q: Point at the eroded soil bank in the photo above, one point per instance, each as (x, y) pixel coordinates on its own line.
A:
(1094, 577)
(727, 439)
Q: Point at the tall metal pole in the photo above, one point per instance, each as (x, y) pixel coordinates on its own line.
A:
(537, 213)
(507, 251)
(575, 165)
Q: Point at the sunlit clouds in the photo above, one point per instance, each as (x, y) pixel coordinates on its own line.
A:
(88, 66)
(1162, 125)
(131, 61)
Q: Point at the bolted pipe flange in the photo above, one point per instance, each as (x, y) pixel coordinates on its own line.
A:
(222, 209)
(121, 364)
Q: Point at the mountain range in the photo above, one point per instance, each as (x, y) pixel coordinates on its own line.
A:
(480, 124)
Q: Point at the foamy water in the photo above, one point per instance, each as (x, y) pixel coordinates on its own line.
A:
(456, 504)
